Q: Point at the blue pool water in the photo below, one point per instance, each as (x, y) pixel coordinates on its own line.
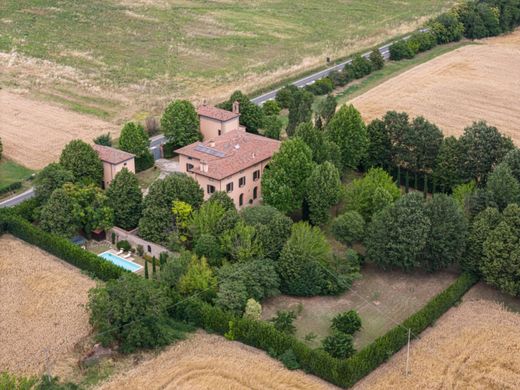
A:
(119, 261)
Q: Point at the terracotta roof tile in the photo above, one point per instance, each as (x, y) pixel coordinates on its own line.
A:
(112, 155)
(216, 113)
(231, 152)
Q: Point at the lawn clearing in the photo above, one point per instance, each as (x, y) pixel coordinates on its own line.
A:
(473, 346)
(43, 315)
(475, 82)
(211, 362)
(11, 172)
(147, 177)
(382, 298)
(34, 132)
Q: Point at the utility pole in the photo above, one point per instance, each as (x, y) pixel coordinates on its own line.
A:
(408, 352)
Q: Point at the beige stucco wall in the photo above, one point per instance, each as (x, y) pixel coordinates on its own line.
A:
(111, 170)
(220, 185)
(209, 127)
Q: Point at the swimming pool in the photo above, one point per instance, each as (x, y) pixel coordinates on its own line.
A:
(120, 262)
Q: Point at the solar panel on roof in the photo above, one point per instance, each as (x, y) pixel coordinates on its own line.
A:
(210, 151)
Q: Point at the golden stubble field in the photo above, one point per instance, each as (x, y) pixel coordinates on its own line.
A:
(475, 82)
(473, 346)
(43, 314)
(208, 362)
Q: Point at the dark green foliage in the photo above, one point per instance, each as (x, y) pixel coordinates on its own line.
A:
(284, 96)
(377, 60)
(283, 184)
(207, 245)
(348, 131)
(315, 140)
(446, 28)
(223, 199)
(273, 127)
(58, 216)
(174, 268)
(283, 321)
(134, 140)
(361, 66)
(349, 227)
(126, 199)
(326, 109)
(420, 145)
(449, 169)
(347, 322)
(339, 345)
(134, 301)
(60, 247)
(124, 245)
(479, 19)
(448, 233)
(401, 50)
(512, 159)
(227, 222)
(146, 272)
(251, 115)
(321, 87)
(300, 110)
(157, 220)
(379, 152)
(340, 78)
(422, 41)
(397, 235)
(271, 108)
(323, 192)
(180, 123)
(273, 228)
(503, 187)
(289, 360)
(10, 187)
(79, 158)
(237, 282)
(103, 139)
(52, 177)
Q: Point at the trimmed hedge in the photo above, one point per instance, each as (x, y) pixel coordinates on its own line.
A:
(10, 187)
(58, 247)
(344, 373)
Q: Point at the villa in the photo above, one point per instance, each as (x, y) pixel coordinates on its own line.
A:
(229, 159)
(114, 160)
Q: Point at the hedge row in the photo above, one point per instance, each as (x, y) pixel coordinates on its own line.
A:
(59, 247)
(10, 187)
(344, 373)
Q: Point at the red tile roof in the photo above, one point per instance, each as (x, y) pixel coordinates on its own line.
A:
(216, 113)
(112, 155)
(231, 152)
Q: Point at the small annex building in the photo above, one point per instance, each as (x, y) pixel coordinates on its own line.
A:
(114, 160)
(215, 121)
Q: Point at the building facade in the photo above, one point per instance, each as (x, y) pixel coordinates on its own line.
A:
(215, 121)
(114, 160)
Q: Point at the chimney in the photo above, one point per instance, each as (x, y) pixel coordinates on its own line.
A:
(236, 107)
(211, 143)
(204, 102)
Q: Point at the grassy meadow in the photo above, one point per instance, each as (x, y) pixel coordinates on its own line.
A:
(10, 172)
(153, 50)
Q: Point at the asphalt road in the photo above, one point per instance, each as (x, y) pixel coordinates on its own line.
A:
(18, 198)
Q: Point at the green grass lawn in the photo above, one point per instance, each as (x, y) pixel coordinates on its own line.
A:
(146, 178)
(181, 47)
(10, 172)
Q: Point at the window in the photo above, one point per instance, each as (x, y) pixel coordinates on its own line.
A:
(242, 181)
(255, 192)
(229, 187)
(241, 200)
(124, 164)
(256, 175)
(211, 189)
(149, 249)
(219, 132)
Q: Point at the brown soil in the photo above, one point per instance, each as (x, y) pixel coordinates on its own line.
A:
(42, 315)
(475, 82)
(473, 346)
(34, 133)
(211, 362)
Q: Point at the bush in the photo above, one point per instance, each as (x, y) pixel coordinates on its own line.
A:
(61, 248)
(348, 322)
(349, 227)
(284, 321)
(289, 360)
(361, 66)
(401, 50)
(124, 245)
(422, 41)
(285, 95)
(10, 187)
(377, 60)
(144, 162)
(271, 107)
(253, 309)
(339, 345)
(321, 87)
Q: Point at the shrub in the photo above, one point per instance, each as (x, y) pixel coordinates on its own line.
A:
(401, 50)
(103, 139)
(349, 227)
(285, 95)
(339, 345)
(361, 66)
(10, 187)
(422, 41)
(321, 87)
(284, 321)
(377, 60)
(271, 107)
(289, 360)
(124, 245)
(348, 322)
(253, 309)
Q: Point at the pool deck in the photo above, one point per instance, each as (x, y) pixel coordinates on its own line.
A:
(128, 259)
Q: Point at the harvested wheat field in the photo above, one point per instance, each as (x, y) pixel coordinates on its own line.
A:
(474, 82)
(211, 362)
(473, 346)
(34, 133)
(43, 313)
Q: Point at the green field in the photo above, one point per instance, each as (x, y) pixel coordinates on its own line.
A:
(11, 172)
(188, 48)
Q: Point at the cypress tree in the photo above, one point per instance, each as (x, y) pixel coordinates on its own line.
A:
(146, 269)
(425, 185)
(154, 270)
(407, 182)
(416, 181)
(398, 176)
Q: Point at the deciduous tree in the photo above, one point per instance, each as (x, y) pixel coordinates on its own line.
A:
(82, 160)
(58, 215)
(251, 115)
(133, 139)
(323, 192)
(50, 178)
(180, 123)
(126, 199)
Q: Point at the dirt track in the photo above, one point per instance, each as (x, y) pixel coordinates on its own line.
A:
(208, 362)
(34, 133)
(473, 346)
(42, 315)
(471, 83)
